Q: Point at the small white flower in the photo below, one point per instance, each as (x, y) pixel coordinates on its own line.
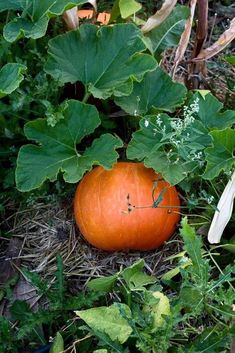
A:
(146, 123)
(158, 120)
(210, 199)
(223, 213)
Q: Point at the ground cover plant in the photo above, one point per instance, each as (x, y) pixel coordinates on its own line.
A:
(77, 94)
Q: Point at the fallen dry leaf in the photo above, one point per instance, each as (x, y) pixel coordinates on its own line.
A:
(223, 212)
(219, 45)
(71, 19)
(184, 40)
(159, 16)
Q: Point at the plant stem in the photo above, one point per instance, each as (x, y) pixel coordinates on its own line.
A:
(197, 69)
(86, 97)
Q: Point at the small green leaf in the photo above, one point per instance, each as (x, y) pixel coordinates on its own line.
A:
(192, 243)
(230, 246)
(135, 278)
(100, 351)
(128, 7)
(124, 9)
(156, 91)
(58, 148)
(193, 246)
(105, 60)
(11, 76)
(230, 59)
(191, 298)
(108, 320)
(103, 284)
(20, 310)
(175, 271)
(220, 157)
(58, 344)
(203, 92)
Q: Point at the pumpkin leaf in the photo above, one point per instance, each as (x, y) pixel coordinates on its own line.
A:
(57, 149)
(168, 33)
(156, 91)
(214, 117)
(108, 320)
(58, 344)
(116, 52)
(11, 75)
(220, 157)
(34, 16)
(150, 145)
(173, 170)
(103, 284)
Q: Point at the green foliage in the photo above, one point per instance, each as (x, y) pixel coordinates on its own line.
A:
(58, 344)
(59, 309)
(180, 147)
(221, 155)
(199, 311)
(124, 9)
(108, 320)
(168, 33)
(10, 77)
(63, 93)
(203, 298)
(155, 92)
(34, 17)
(58, 148)
(117, 52)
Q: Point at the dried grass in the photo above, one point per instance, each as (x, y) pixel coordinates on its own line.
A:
(47, 230)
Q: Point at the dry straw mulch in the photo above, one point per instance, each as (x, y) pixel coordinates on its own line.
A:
(44, 231)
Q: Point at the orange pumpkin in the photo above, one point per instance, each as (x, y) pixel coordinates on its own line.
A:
(107, 208)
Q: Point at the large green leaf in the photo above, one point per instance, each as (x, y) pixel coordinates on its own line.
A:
(155, 91)
(220, 157)
(153, 144)
(57, 149)
(168, 33)
(172, 171)
(12, 5)
(211, 114)
(109, 320)
(34, 17)
(105, 60)
(11, 76)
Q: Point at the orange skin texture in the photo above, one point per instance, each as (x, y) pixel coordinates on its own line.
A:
(101, 208)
